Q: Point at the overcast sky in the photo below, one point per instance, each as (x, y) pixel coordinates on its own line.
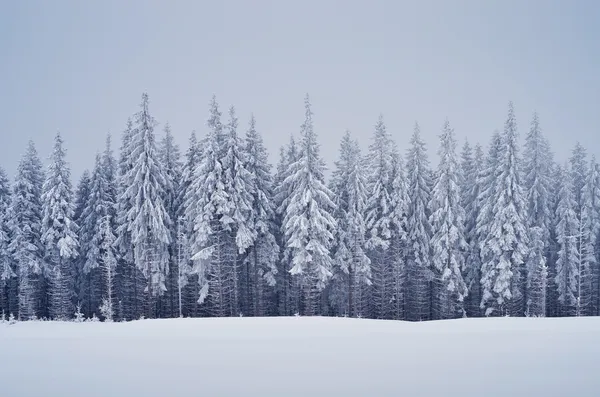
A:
(80, 67)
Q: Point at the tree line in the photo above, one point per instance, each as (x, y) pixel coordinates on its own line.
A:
(214, 231)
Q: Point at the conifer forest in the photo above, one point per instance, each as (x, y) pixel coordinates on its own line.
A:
(212, 229)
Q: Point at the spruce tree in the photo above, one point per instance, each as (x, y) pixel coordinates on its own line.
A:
(352, 267)
(147, 220)
(59, 233)
(8, 297)
(170, 163)
(537, 185)
(261, 260)
(81, 203)
(308, 223)
(26, 227)
(447, 219)
(504, 249)
(379, 216)
(419, 273)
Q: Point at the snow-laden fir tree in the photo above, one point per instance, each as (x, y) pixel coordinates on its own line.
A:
(170, 163)
(287, 288)
(352, 267)
(81, 201)
(398, 242)
(206, 205)
(448, 241)
(567, 264)
(147, 220)
(130, 278)
(186, 280)
(505, 247)
(261, 260)
(26, 227)
(419, 273)
(109, 266)
(379, 215)
(237, 219)
(101, 205)
(537, 167)
(470, 186)
(59, 235)
(308, 222)
(589, 224)
(592, 192)
(8, 292)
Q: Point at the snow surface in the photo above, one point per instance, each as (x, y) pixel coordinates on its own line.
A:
(302, 357)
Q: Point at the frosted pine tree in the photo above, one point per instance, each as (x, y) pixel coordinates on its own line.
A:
(237, 220)
(379, 217)
(287, 288)
(592, 191)
(81, 203)
(352, 267)
(109, 266)
(567, 264)
(187, 282)
(504, 249)
(537, 184)
(147, 220)
(419, 274)
(8, 292)
(308, 223)
(130, 278)
(471, 168)
(170, 163)
(262, 256)
(25, 226)
(448, 242)
(59, 233)
(206, 205)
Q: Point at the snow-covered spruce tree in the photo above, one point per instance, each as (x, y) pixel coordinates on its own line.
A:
(567, 264)
(504, 249)
(206, 205)
(592, 191)
(109, 265)
(262, 256)
(398, 243)
(352, 268)
(129, 277)
(448, 242)
(147, 220)
(471, 166)
(589, 225)
(379, 215)
(170, 162)
(537, 165)
(308, 223)
(419, 273)
(59, 233)
(25, 226)
(8, 291)
(237, 220)
(187, 281)
(81, 202)
(553, 306)
(287, 288)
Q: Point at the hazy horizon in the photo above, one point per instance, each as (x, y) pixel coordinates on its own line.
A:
(81, 69)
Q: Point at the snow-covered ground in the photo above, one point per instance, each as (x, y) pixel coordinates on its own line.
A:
(298, 356)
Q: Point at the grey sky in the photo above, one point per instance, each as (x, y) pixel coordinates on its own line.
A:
(81, 67)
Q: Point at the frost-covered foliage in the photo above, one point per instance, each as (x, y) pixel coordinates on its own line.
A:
(8, 274)
(26, 231)
(505, 247)
(59, 235)
(308, 222)
(419, 272)
(352, 266)
(447, 219)
(147, 220)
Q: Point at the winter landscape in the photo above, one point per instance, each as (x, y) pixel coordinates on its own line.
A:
(311, 198)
